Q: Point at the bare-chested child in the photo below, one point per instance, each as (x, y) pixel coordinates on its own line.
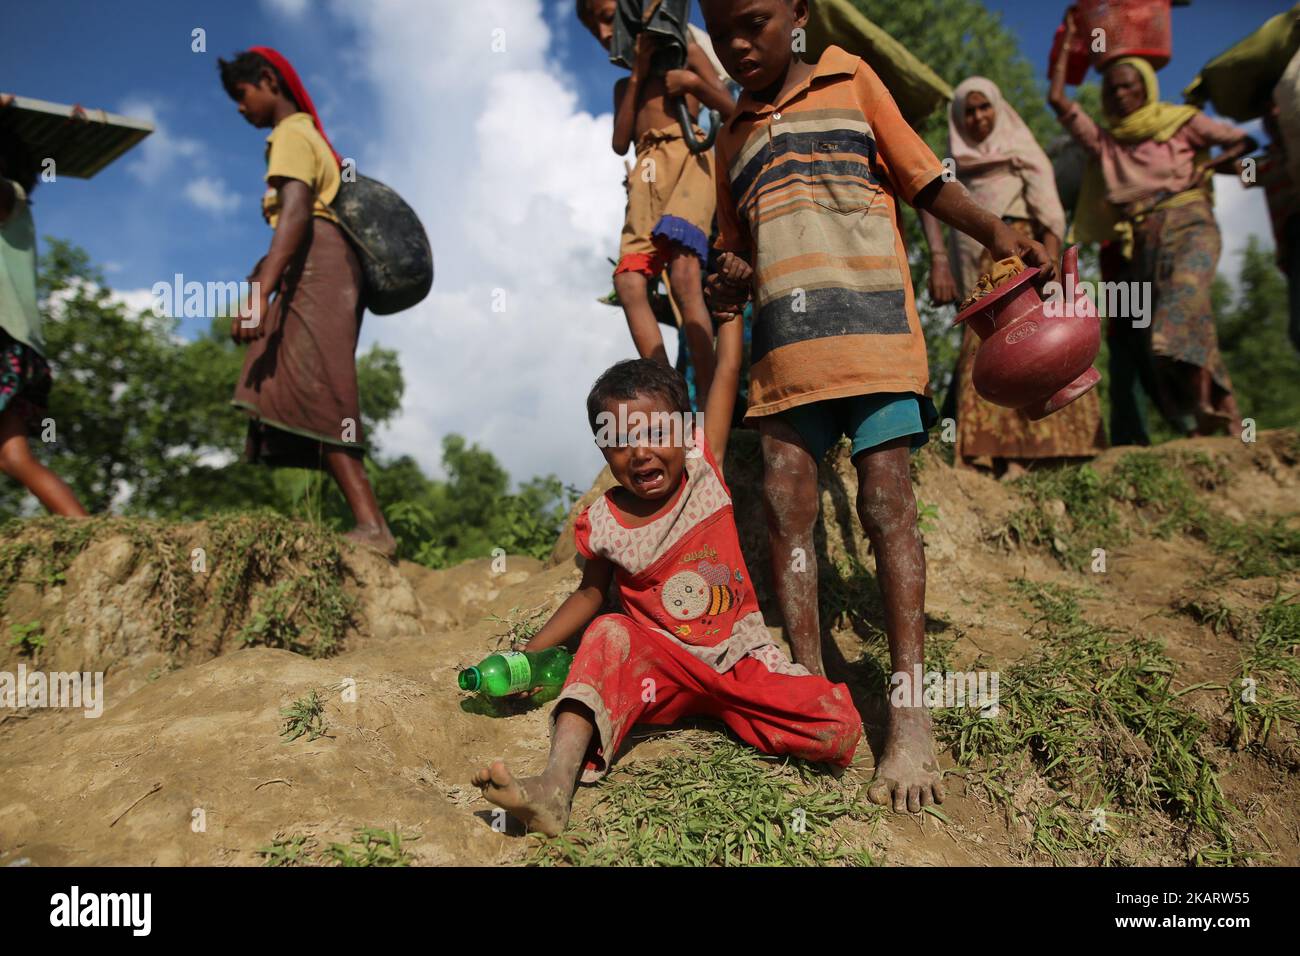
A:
(670, 192)
(691, 639)
(810, 168)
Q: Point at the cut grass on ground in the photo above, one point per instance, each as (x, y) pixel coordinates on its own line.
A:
(1094, 755)
(1267, 697)
(722, 804)
(1074, 510)
(370, 846)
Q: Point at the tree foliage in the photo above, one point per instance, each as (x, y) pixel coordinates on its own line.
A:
(143, 425)
(1252, 325)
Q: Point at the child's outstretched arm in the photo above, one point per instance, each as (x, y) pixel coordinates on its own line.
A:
(950, 202)
(721, 400)
(578, 608)
(728, 289)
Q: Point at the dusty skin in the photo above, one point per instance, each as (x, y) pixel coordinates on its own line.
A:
(541, 805)
(374, 537)
(908, 776)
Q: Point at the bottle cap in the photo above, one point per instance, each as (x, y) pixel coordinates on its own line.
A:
(469, 679)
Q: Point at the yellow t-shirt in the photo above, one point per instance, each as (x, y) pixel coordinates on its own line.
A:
(296, 150)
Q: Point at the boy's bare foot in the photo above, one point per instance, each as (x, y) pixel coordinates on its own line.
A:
(542, 806)
(908, 775)
(376, 537)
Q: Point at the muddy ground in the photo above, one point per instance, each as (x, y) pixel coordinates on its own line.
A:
(188, 765)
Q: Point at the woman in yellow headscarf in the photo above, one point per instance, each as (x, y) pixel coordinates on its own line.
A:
(1155, 172)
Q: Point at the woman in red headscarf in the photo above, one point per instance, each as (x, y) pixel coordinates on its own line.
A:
(299, 381)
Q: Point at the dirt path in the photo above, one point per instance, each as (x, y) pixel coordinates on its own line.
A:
(188, 765)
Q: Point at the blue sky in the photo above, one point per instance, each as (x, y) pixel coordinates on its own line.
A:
(505, 156)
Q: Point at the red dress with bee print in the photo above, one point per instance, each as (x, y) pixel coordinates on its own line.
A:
(691, 639)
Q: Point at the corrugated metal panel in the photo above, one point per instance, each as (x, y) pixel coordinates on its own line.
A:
(80, 141)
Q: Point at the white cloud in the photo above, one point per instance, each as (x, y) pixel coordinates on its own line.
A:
(211, 195)
(135, 301)
(289, 9)
(156, 154)
(519, 192)
(1241, 213)
(138, 303)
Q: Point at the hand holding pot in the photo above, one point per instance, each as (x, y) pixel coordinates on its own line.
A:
(1007, 243)
(1034, 355)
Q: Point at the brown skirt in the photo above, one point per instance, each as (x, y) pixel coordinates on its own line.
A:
(299, 381)
(988, 432)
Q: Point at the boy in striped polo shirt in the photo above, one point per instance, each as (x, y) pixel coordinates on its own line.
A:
(809, 170)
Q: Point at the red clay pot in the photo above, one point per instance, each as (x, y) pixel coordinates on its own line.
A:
(1131, 28)
(1029, 359)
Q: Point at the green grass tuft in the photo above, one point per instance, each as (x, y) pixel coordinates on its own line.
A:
(305, 716)
(287, 851)
(371, 846)
(29, 638)
(721, 805)
(1268, 694)
(1094, 715)
(1073, 510)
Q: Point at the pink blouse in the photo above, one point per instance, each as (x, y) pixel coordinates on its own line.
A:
(1136, 171)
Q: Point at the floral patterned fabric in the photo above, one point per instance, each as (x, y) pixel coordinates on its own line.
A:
(24, 379)
(1177, 250)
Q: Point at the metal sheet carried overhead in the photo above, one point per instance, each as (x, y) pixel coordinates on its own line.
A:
(80, 141)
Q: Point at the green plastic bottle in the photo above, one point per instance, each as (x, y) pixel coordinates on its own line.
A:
(516, 671)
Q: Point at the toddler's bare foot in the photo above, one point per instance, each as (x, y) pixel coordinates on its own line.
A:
(376, 537)
(908, 775)
(541, 805)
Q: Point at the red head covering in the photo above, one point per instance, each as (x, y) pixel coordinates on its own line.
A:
(296, 90)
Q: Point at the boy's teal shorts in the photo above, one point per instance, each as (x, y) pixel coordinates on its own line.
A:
(869, 420)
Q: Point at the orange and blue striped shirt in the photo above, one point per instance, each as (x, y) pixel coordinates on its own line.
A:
(807, 192)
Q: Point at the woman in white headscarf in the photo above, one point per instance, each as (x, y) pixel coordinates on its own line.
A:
(1000, 162)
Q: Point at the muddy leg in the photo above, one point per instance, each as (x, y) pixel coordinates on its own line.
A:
(791, 504)
(908, 775)
(349, 472)
(688, 293)
(634, 292)
(1226, 402)
(543, 803)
